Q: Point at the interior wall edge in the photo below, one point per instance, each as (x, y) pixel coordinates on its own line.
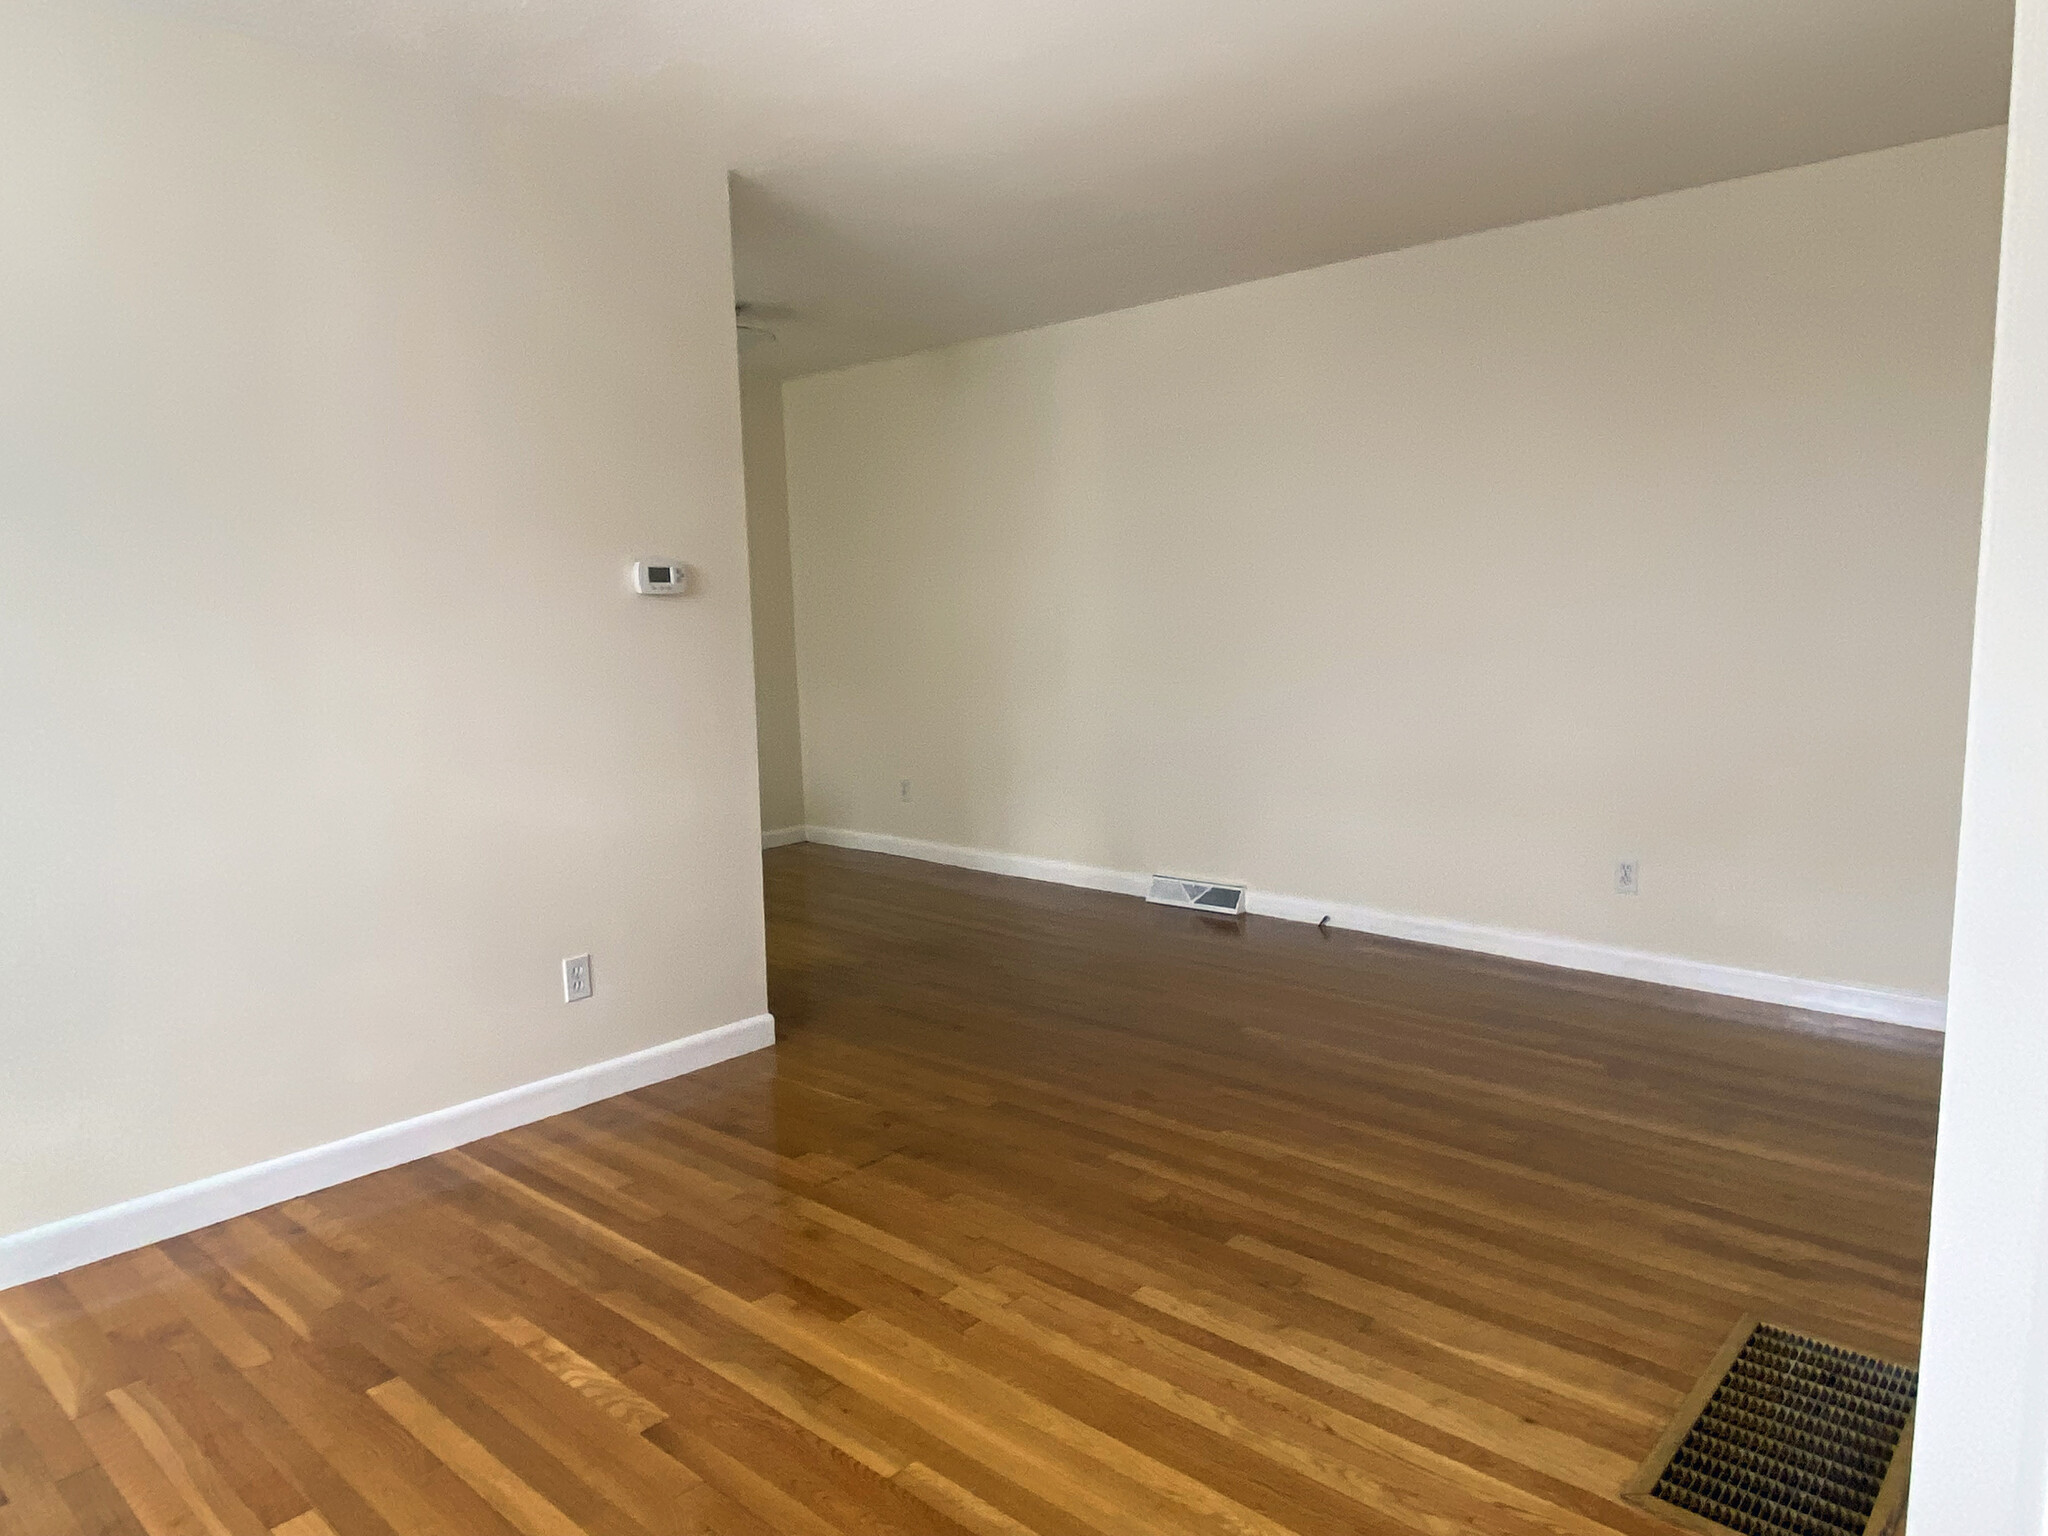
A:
(1881, 1005)
(66, 1244)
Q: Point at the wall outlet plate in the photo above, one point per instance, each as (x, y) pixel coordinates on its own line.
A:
(1628, 878)
(575, 978)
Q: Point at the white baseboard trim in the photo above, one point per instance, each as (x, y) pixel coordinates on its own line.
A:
(781, 837)
(1881, 1004)
(1840, 998)
(1058, 871)
(84, 1239)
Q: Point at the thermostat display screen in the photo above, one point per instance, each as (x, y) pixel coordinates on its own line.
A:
(664, 578)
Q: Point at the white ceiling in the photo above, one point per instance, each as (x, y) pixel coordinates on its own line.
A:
(912, 172)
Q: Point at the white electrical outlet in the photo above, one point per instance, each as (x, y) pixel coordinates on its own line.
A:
(1628, 878)
(575, 978)
(906, 789)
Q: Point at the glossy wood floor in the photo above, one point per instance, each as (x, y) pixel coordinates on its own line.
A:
(1052, 1212)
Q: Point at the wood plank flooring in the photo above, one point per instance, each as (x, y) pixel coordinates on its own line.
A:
(1051, 1212)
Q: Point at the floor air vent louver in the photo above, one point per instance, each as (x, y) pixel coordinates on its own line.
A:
(1201, 895)
(1786, 1436)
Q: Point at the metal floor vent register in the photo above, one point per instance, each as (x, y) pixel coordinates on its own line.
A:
(1786, 1436)
(1201, 895)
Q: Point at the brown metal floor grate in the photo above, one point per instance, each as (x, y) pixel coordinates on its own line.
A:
(1786, 1436)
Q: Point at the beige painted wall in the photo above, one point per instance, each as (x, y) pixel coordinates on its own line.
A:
(332, 412)
(1440, 581)
(775, 693)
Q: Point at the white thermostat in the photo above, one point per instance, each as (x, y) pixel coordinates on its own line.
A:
(660, 578)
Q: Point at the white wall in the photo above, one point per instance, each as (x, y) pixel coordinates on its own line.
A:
(778, 733)
(1980, 1451)
(332, 411)
(1442, 580)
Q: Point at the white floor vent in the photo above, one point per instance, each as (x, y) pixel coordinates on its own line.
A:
(1201, 895)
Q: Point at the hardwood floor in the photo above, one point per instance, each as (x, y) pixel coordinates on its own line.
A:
(1052, 1212)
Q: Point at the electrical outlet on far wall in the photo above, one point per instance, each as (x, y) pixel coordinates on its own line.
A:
(575, 978)
(1628, 878)
(904, 790)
